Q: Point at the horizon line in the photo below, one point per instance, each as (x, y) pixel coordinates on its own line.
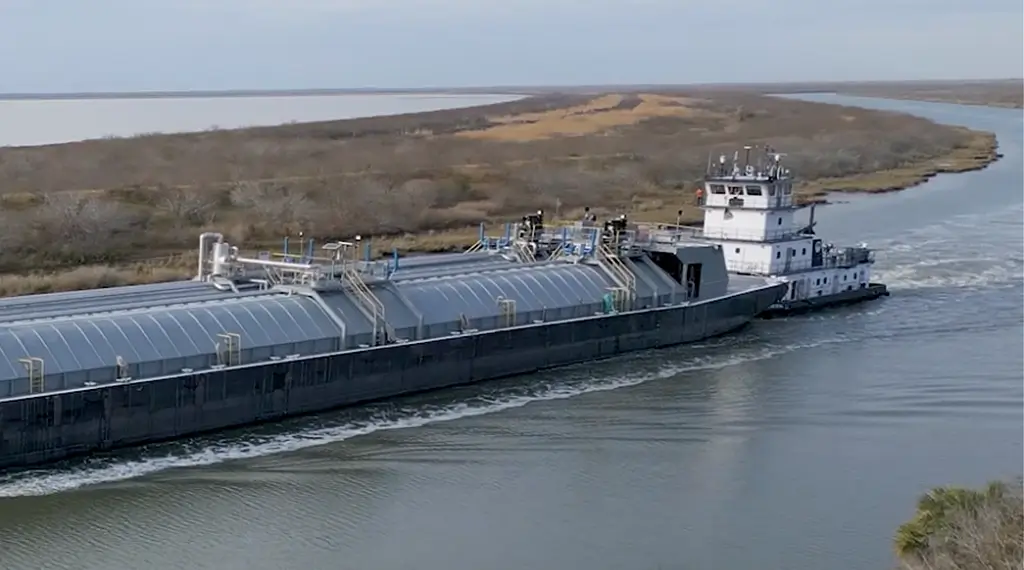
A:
(478, 90)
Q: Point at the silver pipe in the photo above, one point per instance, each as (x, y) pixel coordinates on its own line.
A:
(280, 264)
(202, 251)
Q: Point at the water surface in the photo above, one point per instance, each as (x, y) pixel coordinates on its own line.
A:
(46, 121)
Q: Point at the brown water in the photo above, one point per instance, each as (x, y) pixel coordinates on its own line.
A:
(798, 444)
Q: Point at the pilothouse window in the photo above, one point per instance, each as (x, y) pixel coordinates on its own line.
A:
(753, 190)
(736, 190)
(718, 189)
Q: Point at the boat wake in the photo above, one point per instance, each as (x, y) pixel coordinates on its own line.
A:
(569, 382)
(971, 251)
(966, 273)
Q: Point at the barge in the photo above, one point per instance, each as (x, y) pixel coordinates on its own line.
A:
(274, 335)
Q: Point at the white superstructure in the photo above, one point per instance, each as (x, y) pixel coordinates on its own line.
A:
(749, 208)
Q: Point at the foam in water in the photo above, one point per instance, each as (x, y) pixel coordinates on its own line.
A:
(379, 418)
(965, 251)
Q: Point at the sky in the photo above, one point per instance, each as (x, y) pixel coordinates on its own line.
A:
(142, 45)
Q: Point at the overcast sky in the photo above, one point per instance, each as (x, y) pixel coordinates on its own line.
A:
(128, 45)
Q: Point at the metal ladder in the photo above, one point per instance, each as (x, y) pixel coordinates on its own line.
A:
(229, 349)
(36, 373)
(621, 274)
(522, 252)
(369, 303)
(559, 253)
(507, 309)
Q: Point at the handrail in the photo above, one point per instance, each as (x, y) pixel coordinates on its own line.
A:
(369, 302)
(700, 233)
(847, 258)
(618, 271)
(522, 252)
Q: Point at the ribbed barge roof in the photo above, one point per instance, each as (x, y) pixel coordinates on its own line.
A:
(158, 329)
(271, 308)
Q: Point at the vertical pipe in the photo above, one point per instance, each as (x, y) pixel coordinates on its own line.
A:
(202, 256)
(483, 234)
(394, 254)
(508, 233)
(366, 251)
(309, 254)
(286, 248)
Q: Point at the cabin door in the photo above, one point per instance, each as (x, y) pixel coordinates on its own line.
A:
(790, 252)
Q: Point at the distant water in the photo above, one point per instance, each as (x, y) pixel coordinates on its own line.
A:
(797, 444)
(46, 121)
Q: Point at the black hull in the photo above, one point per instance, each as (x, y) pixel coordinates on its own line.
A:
(53, 427)
(788, 308)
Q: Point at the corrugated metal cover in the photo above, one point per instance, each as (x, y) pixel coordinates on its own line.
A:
(532, 288)
(91, 342)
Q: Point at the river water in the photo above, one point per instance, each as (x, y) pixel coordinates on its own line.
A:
(797, 444)
(25, 122)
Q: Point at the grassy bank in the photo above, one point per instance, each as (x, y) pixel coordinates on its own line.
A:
(1007, 93)
(108, 212)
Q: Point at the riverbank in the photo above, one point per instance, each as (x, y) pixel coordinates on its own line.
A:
(104, 213)
(1004, 93)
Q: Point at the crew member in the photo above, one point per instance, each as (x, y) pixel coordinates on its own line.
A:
(700, 196)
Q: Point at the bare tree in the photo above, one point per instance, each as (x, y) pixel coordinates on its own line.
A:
(271, 202)
(77, 224)
(11, 231)
(189, 206)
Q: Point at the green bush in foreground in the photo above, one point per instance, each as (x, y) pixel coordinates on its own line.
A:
(965, 529)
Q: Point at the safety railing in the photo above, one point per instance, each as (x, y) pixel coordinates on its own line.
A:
(846, 258)
(368, 302)
(696, 232)
(621, 274)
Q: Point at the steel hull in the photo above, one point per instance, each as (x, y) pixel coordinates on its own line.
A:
(787, 308)
(51, 427)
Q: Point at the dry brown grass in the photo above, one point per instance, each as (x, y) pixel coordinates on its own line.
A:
(100, 213)
(977, 152)
(597, 116)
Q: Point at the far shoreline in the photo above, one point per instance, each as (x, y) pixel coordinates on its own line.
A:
(999, 93)
(235, 94)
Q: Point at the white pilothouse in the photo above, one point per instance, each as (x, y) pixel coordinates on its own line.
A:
(749, 209)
